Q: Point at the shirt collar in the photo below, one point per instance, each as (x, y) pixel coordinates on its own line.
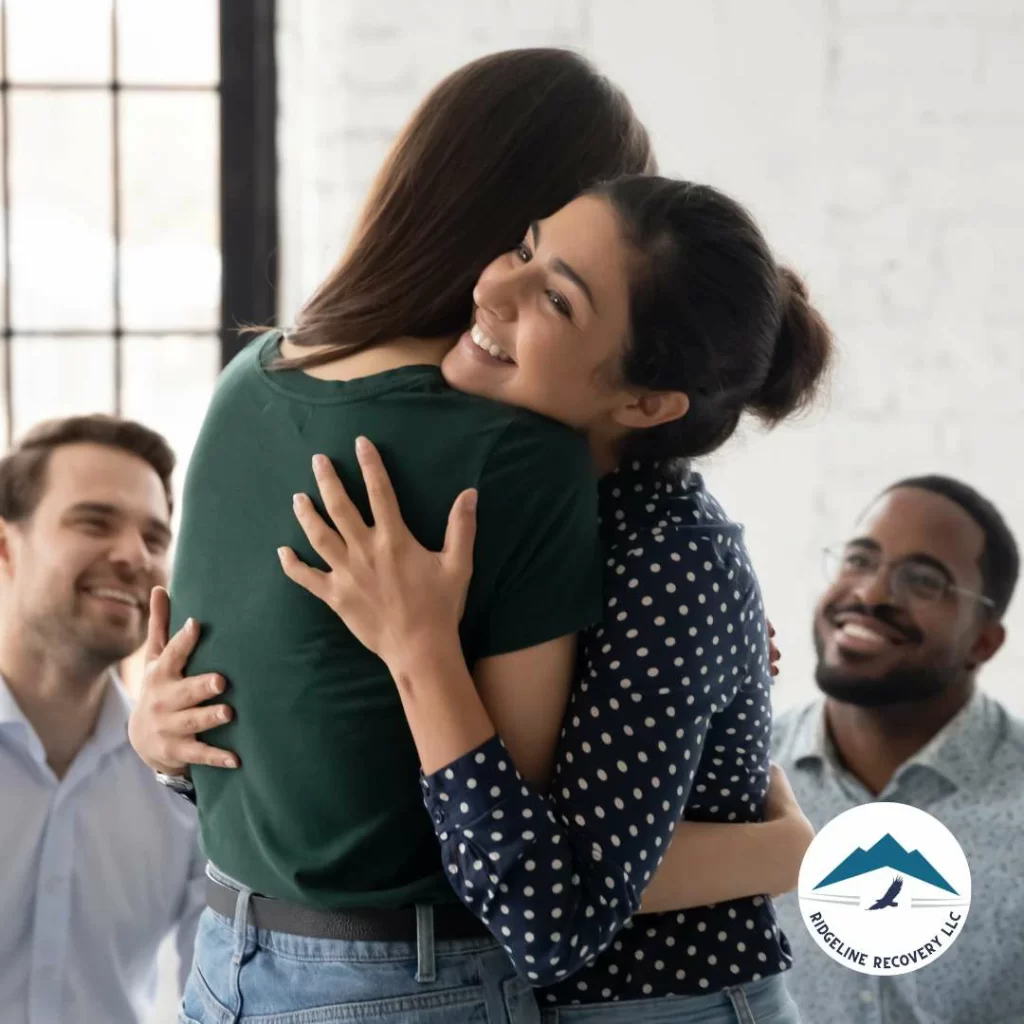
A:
(959, 752)
(111, 729)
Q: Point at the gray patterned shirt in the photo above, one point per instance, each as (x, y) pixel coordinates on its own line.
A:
(970, 777)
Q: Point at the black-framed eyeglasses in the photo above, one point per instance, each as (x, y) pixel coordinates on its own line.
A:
(908, 579)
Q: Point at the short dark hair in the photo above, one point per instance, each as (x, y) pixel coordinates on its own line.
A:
(712, 315)
(504, 140)
(1000, 560)
(23, 469)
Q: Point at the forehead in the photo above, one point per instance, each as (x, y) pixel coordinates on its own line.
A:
(584, 221)
(910, 521)
(586, 233)
(99, 474)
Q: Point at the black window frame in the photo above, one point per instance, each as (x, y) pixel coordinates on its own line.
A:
(248, 181)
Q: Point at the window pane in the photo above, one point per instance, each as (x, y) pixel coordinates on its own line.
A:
(168, 382)
(62, 257)
(59, 40)
(63, 376)
(170, 211)
(168, 43)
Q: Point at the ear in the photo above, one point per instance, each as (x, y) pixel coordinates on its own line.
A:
(5, 547)
(989, 640)
(652, 409)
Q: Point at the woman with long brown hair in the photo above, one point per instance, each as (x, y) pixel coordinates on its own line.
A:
(327, 893)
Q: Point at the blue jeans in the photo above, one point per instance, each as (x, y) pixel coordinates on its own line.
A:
(760, 1002)
(239, 974)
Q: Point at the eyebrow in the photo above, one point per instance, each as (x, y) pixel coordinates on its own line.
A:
(918, 558)
(103, 509)
(559, 266)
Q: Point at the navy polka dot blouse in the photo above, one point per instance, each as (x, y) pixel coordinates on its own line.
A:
(669, 718)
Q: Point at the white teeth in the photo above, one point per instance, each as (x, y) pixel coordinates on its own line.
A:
(488, 344)
(116, 595)
(862, 632)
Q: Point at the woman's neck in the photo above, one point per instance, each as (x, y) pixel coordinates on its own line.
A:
(388, 355)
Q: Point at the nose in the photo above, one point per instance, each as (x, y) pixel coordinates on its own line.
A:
(496, 293)
(874, 588)
(131, 552)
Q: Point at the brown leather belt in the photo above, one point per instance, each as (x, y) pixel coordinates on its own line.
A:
(354, 924)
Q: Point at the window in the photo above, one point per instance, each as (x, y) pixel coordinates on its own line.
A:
(139, 213)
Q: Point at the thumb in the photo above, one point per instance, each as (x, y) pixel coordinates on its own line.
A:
(461, 532)
(159, 620)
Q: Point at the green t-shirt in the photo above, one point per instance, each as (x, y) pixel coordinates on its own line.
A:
(326, 808)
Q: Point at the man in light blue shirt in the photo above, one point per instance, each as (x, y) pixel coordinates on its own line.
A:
(98, 862)
(914, 608)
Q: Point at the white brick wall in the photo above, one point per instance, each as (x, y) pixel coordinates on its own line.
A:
(881, 143)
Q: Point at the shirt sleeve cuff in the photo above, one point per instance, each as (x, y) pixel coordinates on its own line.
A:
(470, 788)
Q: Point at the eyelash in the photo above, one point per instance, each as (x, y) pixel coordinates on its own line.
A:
(559, 303)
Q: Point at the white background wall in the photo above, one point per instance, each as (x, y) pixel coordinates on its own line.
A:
(881, 144)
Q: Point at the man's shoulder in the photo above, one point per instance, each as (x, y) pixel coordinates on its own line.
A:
(1007, 727)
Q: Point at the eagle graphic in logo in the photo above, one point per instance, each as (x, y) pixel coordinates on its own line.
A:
(889, 898)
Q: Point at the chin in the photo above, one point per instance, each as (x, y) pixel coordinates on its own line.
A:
(461, 375)
(866, 689)
(111, 645)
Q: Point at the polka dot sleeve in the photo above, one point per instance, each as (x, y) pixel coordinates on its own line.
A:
(555, 877)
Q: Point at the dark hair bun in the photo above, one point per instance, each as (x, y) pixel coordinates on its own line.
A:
(803, 350)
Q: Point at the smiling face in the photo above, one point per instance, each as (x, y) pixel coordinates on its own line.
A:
(76, 575)
(901, 622)
(551, 324)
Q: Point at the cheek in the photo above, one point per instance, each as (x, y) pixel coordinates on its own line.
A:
(833, 597)
(160, 570)
(556, 360)
(944, 634)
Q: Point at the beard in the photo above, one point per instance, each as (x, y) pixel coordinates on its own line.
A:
(87, 647)
(900, 686)
(913, 685)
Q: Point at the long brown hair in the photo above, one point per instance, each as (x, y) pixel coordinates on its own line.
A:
(508, 138)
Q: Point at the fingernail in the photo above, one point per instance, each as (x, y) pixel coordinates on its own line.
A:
(471, 501)
(362, 445)
(229, 762)
(215, 685)
(319, 462)
(190, 623)
(297, 500)
(280, 553)
(224, 714)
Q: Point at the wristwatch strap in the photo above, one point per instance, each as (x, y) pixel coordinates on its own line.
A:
(180, 784)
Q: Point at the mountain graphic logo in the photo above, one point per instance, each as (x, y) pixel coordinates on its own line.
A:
(887, 853)
(884, 888)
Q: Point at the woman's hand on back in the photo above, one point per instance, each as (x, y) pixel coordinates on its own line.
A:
(391, 592)
(168, 716)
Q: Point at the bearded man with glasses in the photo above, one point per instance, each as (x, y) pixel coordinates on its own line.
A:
(912, 610)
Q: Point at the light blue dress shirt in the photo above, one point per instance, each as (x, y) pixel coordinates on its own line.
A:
(970, 777)
(95, 870)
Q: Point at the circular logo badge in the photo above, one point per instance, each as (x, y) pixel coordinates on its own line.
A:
(885, 888)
